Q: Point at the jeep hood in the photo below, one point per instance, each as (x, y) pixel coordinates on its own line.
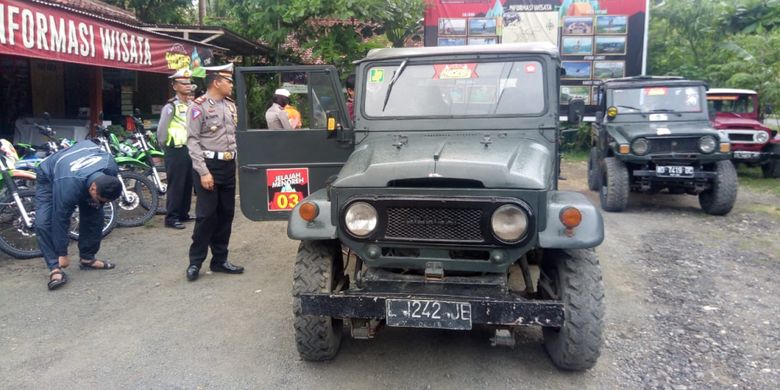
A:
(733, 122)
(496, 160)
(666, 128)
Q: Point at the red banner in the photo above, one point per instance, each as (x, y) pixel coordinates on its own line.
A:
(40, 31)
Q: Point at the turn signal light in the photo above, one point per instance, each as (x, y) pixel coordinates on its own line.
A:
(612, 112)
(624, 149)
(725, 147)
(309, 211)
(571, 217)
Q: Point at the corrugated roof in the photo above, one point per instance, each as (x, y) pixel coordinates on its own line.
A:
(98, 8)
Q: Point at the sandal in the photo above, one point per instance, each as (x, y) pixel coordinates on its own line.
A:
(57, 283)
(90, 264)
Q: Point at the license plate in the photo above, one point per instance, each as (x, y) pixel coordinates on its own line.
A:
(746, 155)
(410, 313)
(674, 171)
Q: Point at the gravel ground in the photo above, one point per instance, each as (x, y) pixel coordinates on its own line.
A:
(692, 302)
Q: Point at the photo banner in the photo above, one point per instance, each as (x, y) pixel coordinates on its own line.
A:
(39, 31)
(597, 39)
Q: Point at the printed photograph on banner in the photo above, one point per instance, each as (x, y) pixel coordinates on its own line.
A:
(610, 45)
(286, 187)
(452, 41)
(578, 25)
(603, 70)
(483, 41)
(611, 24)
(577, 46)
(482, 26)
(452, 26)
(577, 70)
(522, 27)
(569, 92)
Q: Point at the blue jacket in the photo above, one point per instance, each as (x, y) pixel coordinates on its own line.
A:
(71, 171)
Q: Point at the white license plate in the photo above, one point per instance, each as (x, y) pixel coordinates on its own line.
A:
(674, 171)
(747, 155)
(422, 313)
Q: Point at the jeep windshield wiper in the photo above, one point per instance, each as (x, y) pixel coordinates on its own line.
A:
(629, 107)
(392, 82)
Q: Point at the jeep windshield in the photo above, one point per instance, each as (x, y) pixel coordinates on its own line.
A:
(454, 89)
(648, 100)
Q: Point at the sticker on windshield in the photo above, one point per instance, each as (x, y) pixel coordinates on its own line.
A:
(376, 75)
(530, 68)
(658, 118)
(286, 187)
(659, 91)
(455, 71)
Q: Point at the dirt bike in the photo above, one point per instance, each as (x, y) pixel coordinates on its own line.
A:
(17, 208)
(145, 152)
(139, 199)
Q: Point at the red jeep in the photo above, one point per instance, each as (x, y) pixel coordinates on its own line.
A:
(737, 112)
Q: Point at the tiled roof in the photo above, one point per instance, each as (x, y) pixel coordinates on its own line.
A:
(98, 8)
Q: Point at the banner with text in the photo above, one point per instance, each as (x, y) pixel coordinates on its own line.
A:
(40, 31)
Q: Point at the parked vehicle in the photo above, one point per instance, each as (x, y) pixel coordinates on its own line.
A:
(738, 113)
(653, 133)
(139, 199)
(145, 152)
(449, 185)
(17, 208)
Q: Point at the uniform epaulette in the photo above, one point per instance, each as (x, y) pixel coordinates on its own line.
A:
(230, 99)
(200, 100)
(171, 100)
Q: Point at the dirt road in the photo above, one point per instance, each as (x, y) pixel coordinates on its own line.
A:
(693, 301)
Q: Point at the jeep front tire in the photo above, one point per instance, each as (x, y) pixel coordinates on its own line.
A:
(574, 277)
(771, 170)
(614, 185)
(720, 198)
(318, 269)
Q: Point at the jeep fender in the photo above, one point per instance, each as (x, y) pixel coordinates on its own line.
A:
(590, 232)
(321, 228)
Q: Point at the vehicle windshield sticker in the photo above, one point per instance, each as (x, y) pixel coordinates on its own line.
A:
(658, 117)
(663, 131)
(376, 75)
(286, 187)
(455, 71)
(530, 68)
(659, 91)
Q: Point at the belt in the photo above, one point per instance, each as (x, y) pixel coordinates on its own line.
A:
(175, 146)
(224, 156)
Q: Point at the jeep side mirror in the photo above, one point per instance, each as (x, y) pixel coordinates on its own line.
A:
(768, 109)
(576, 110)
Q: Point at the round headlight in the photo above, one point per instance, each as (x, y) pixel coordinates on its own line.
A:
(360, 219)
(761, 137)
(707, 144)
(640, 146)
(509, 223)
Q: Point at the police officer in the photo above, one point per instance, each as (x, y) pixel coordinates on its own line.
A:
(82, 176)
(172, 133)
(211, 124)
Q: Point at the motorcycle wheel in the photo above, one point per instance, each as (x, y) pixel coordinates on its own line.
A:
(15, 238)
(139, 202)
(109, 221)
(161, 192)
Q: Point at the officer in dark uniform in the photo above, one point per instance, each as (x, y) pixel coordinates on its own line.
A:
(211, 124)
(172, 133)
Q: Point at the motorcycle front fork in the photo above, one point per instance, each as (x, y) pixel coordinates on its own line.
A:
(17, 199)
(157, 181)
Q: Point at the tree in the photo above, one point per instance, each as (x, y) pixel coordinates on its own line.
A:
(158, 11)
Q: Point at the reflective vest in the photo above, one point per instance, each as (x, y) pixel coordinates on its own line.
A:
(177, 129)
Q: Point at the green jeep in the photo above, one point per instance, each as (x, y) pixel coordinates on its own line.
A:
(654, 133)
(437, 207)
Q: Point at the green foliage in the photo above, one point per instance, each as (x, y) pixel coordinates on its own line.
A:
(158, 11)
(728, 44)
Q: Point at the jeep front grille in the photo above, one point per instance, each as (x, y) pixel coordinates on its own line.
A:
(674, 145)
(434, 224)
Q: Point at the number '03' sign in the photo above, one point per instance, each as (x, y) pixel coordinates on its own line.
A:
(286, 187)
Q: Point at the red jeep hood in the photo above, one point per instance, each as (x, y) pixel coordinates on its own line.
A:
(732, 122)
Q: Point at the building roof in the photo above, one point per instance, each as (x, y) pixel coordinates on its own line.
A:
(660, 81)
(507, 48)
(212, 35)
(714, 91)
(97, 7)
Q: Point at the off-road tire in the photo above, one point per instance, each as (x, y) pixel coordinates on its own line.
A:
(720, 199)
(318, 269)
(577, 282)
(11, 215)
(147, 203)
(594, 171)
(771, 170)
(614, 185)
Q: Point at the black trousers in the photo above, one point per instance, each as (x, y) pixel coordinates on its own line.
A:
(214, 213)
(178, 168)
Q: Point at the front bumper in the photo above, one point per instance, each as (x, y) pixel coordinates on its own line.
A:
(652, 175)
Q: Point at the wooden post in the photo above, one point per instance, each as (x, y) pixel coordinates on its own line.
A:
(95, 97)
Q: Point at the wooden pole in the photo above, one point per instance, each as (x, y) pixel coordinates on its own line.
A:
(95, 97)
